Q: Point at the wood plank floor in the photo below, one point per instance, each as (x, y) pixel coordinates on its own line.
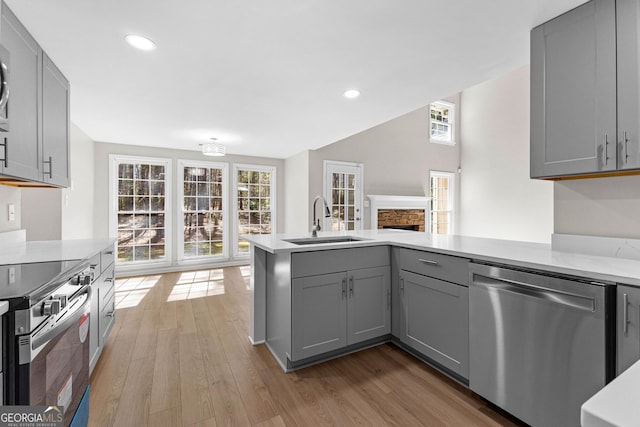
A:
(179, 355)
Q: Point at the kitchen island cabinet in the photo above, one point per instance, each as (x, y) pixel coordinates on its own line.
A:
(434, 313)
(102, 302)
(319, 303)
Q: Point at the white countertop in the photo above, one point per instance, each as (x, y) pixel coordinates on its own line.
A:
(616, 405)
(522, 254)
(51, 250)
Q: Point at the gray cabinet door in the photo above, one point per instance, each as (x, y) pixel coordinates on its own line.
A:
(628, 327)
(319, 314)
(573, 92)
(628, 43)
(22, 140)
(55, 125)
(369, 306)
(435, 320)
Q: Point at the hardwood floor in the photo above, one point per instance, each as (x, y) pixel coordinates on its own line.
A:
(179, 355)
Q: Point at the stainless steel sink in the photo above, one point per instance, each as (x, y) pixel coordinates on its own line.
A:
(324, 240)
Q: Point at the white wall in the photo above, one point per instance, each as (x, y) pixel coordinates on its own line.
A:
(77, 200)
(396, 155)
(498, 199)
(598, 207)
(296, 188)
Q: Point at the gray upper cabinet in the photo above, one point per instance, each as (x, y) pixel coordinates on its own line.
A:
(22, 140)
(37, 144)
(628, 42)
(628, 327)
(55, 124)
(573, 92)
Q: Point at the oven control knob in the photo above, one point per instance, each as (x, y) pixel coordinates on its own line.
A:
(84, 279)
(50, 307)
(62, 299)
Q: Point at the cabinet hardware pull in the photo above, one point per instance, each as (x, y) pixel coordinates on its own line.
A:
(50, 161)
(625, 312)
(344, 288)
(111, 314)
(351, 286)
(428, 261)
(626, 152)
(402, 286)
(606, 149)
(108, 279)
(6, 153)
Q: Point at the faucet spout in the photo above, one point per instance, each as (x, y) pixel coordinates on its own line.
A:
(315, 226)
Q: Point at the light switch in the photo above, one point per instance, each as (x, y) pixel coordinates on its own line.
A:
(366, 203)
(12, 212)
(12, 275)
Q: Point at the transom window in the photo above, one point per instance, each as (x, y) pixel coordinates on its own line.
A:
(441, 122)
(203, 190)
(255, 202)
(141, 200)
(442, 196)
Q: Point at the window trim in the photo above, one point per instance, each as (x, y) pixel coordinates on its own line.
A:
(181, 164)
(115, 160)
(452, 195)
(234, 200)
(452, 123)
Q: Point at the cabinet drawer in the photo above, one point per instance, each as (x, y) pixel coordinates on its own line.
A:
(107, 317)
(106, 258)
(445, 267)
(107, 285)
(330, 261)
(94, 263)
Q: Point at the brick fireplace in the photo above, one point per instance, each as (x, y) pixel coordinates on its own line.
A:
(404, 212)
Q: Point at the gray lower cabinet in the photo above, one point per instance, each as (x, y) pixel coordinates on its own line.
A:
(332, 311)
(431, 306)
(102, 303)
(628, 327)
(435, 320)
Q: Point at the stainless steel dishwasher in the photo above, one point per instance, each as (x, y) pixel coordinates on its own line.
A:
(539, 345)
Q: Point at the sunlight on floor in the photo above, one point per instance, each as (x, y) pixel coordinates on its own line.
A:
(131, 290)
(198, 284)
(245, 272)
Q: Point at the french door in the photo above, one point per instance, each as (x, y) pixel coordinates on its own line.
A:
(343, 192)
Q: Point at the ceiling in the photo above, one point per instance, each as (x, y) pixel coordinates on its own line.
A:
(266, 77)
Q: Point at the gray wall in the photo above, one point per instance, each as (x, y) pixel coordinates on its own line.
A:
(598, 206)
(396, 155)
(498, 199)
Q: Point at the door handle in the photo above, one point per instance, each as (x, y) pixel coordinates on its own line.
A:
(344, 288)
(402, 286)
(625, 313)
(351, 286)
(50, 161)
(6, 153)
(626, 143)
(428, 261)
(606, 149)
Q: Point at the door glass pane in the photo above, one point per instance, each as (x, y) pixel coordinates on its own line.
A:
(141, 196)
(254, 194)
(203, 215)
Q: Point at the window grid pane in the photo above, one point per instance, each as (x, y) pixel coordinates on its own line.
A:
(343, 201)
(141, 211)
(441, 196)
(254, 204)
(202, 226)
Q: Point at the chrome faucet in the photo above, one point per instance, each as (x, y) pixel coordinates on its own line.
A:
(315, 226)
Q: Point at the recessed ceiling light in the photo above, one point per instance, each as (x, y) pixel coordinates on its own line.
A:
(352, 93)
(140, 42)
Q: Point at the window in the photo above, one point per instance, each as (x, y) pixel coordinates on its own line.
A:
(343, 192)
(255, 202)
(139, 190)
(203, 193)
(441, 193)
(441, 122)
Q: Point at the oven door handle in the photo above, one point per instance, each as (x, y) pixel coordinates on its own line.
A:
(69, 320)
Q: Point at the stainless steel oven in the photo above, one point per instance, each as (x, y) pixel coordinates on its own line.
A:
(46, 336)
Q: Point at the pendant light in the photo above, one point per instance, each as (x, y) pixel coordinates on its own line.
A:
(213, 148)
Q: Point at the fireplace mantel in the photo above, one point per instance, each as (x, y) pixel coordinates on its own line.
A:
(397, 202)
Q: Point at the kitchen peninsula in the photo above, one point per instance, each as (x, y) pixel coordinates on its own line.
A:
(318, 298)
